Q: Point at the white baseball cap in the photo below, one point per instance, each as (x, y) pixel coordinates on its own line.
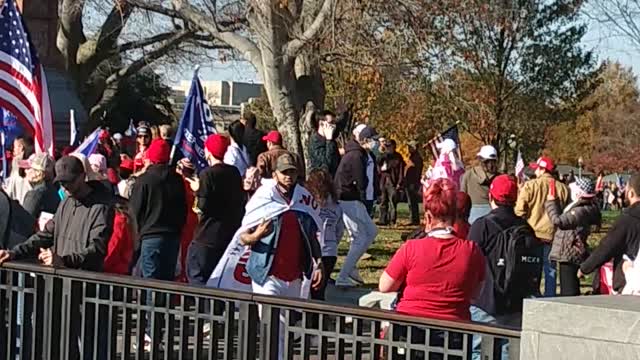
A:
(488, 152)
(357, 130)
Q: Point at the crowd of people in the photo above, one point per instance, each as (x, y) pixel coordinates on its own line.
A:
(485, 243)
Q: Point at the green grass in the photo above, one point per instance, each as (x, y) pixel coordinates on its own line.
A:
(390, 238)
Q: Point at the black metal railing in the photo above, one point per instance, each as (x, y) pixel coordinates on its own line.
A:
(67, 314)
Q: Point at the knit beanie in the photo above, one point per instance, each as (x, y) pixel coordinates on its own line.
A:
(217, 145)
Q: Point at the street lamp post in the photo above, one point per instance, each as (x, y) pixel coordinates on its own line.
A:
(580, 163)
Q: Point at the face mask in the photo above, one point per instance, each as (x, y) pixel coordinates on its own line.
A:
(375, 148)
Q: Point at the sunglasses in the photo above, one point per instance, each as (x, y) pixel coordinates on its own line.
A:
(143, 136)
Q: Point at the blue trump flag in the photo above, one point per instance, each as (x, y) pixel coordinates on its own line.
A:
(195, 125)
(9, 126)
(90, 144)
(9, 130)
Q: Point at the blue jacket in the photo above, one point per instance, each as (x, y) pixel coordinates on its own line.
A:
(263, 252)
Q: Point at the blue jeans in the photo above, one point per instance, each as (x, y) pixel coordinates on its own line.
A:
(159, 256)
(479, 315)
(158, 259)
(549, 270)
(478, 211)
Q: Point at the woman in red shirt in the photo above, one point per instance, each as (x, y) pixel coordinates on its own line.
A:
(441, 273)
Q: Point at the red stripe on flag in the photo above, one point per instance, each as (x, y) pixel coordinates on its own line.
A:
(15, 74)
(18, 94)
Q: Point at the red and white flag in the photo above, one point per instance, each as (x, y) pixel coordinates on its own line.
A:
(23, 85)
(520, 167)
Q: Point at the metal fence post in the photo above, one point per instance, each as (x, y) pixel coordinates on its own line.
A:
(248, 321)
(269, 332)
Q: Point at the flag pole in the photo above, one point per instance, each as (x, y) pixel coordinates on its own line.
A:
(4, 156)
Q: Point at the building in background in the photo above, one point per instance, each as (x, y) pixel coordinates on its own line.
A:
(225, 99)
(41, 17)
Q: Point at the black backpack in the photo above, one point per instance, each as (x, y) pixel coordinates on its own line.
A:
(515, 261)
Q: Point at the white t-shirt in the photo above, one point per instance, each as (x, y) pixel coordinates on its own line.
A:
(370, 194)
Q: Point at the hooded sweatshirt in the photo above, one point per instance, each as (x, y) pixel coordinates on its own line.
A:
(79, 231)
(158, 203)
(351, 176)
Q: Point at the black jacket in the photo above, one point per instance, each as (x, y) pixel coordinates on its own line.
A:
(79, 232)
(323, 154)
(351, 176)
(43, 197)
(220, 201)
(484, 232)
(572, 229)
(623, 238)
(254, 144)
(158, 203)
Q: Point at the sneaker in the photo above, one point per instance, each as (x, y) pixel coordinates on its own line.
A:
(344, 283)
(366, 256)
(355, 276)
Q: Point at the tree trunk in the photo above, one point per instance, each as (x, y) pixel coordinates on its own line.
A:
(279, 83)
(310, 95)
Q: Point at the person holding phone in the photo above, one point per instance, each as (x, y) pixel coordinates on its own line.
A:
(531, 206)
(323, 148)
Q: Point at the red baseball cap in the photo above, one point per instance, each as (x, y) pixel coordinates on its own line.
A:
(273, 136)
(504, 189)
(543, 163)
(126, 164)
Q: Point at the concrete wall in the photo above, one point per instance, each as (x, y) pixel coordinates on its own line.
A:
(588, 327)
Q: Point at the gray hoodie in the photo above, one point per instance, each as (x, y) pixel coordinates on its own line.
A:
(79, 232)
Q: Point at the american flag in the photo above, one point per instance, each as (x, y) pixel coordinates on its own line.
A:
(520, 167)
(450, 133)
(23, 86)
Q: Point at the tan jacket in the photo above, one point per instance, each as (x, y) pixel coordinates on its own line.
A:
(531, 201)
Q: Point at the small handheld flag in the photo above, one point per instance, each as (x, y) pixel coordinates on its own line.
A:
(519, 167)
(90, 144)
(450, 133)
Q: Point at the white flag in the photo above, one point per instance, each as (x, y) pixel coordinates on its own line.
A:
(74, 129)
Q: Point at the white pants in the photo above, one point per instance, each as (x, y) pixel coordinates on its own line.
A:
(362, 232)
(277, 287)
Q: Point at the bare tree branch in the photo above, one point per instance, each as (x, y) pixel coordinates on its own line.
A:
(141, 43)
(149, 57)
(71, 32)
(294, 46)
(246, 47)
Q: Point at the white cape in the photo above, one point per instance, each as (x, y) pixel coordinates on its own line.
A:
(265, 204)
(632, 277)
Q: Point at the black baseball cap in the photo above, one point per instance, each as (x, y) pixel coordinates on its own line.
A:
(368, 133)
(68, 168)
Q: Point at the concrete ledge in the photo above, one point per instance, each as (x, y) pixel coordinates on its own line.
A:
(590, 327)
